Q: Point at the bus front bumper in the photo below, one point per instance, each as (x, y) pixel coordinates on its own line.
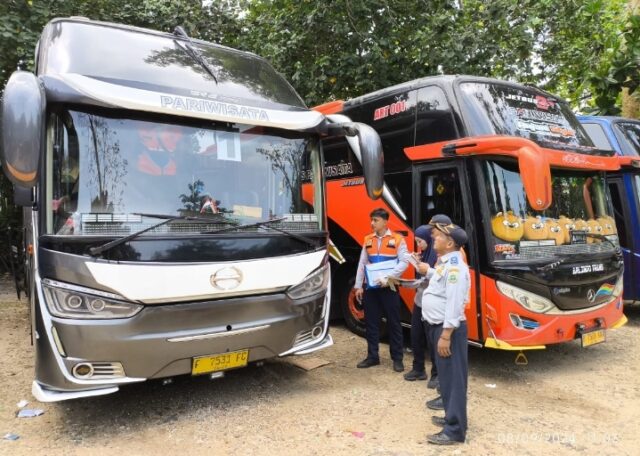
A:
(83, 358)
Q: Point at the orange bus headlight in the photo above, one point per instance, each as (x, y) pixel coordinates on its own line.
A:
(526, 299)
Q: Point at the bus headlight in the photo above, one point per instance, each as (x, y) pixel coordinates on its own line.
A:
(528, 300)
(617, 291)
(71, 301)
(314, 283)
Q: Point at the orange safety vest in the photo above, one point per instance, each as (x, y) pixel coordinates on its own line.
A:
(388, 247)
(148, 166)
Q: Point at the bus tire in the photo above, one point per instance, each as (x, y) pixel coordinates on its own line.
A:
(352, 310)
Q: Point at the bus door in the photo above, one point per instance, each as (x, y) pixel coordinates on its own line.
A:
(443, 188)
(625, 194)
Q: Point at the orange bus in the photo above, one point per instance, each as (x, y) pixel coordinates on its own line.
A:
(510, 164)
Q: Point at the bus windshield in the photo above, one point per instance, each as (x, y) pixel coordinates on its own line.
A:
(629, 135)
(104, 172)
(579, 220)
(496, 109)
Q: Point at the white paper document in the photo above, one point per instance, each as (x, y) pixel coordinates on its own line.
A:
(376, 271)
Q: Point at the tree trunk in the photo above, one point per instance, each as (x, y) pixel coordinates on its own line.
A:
(631, 103)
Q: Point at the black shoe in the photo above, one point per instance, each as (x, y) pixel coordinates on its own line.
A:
(414, 375)
(367, 362)
(397, 365)
(438, 420)
(442, 439)
(436, 404)
(433, 382)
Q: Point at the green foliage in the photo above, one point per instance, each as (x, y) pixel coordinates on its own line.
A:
(622, 69)
(344, 48)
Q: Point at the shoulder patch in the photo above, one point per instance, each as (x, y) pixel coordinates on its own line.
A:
(454, 260)
(452, 277)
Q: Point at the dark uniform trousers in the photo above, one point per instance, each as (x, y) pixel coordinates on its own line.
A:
(418, 341)
(376, 302)
(453, 374)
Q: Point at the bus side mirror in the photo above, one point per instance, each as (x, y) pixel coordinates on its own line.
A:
(23, 105)
(366, 146)
(535, 172)
(372, 159)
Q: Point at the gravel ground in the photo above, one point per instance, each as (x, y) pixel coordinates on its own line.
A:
(567, 400)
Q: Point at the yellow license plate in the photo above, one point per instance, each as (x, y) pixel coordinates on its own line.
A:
(593, 337)
(215, 363)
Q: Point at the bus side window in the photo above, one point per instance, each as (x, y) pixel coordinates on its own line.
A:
(393, 117)
(617, 193)
(440, 193)
(434, 120)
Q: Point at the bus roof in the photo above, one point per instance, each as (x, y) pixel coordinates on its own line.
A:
(443, 80)
(112, 65)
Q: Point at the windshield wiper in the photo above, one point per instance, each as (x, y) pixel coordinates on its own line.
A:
(562, 258)
(603, 237)
(167, 218)
(546, 265)
(265, 224)
(193, 52)
(213, 218)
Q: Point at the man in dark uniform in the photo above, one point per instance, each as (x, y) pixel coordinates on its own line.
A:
(443, 309)
(381, 246)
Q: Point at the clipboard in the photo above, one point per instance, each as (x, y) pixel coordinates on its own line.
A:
(375, 271)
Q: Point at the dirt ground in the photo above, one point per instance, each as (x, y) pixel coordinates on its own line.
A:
(567, 400)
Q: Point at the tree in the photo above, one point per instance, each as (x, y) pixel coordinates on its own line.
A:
(631, 102)
(344, 48)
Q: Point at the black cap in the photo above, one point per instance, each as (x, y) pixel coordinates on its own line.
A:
(456, 233)
(439, 218)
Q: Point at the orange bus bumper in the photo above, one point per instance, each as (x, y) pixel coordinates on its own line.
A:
(502, 333)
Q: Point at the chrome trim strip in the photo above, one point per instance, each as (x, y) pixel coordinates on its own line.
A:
(165, 103)
(58, 342)
(326, 340)
(185, 282)
(218, 334)
(45, 395)
(324, 343)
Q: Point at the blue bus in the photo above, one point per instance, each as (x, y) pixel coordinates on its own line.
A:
(623, 136)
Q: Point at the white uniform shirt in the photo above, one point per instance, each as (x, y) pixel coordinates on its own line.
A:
(444, 299)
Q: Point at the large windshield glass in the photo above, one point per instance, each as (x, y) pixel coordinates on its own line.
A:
(628, 134)
(494, 109)
(156, 62)
(102, 172)
(579, 207)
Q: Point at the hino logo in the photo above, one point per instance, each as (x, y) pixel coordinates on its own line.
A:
(591, 295)
(226, 278)
(213, 107)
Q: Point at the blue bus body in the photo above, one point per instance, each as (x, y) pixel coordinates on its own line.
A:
(623, 136)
